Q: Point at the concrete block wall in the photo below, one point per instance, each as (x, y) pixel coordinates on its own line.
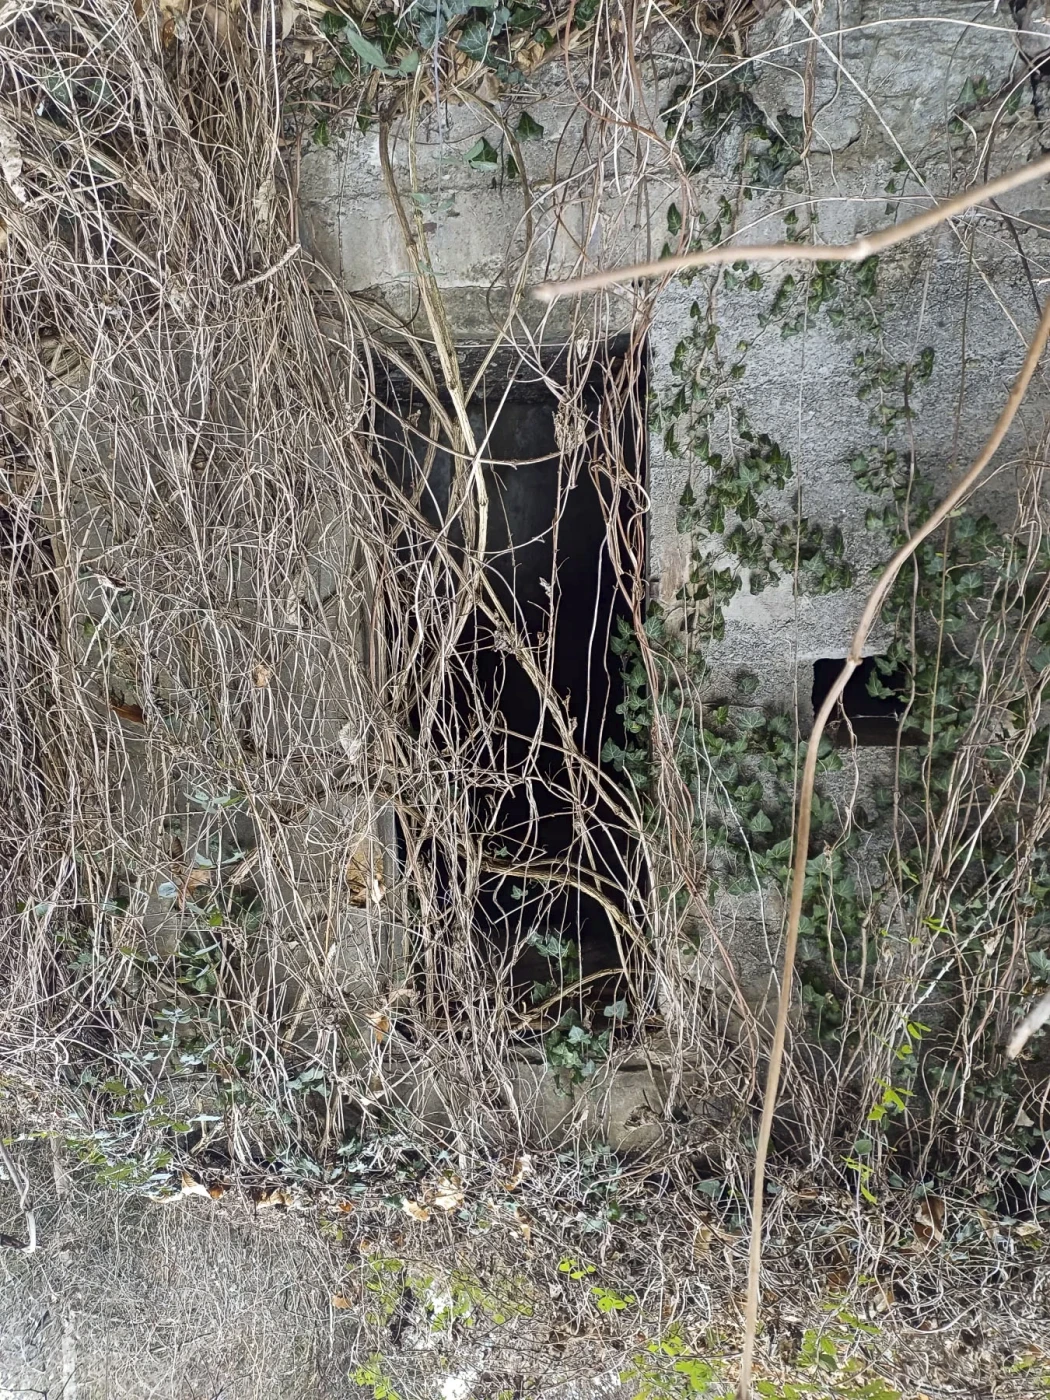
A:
(884, 95)
(874, 109)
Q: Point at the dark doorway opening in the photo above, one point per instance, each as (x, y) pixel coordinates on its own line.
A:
(872, 705)
(564, 564)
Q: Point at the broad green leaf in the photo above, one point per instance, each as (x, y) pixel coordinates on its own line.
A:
(366, 51)
(528, 129)
(475, 40)
(483, 156)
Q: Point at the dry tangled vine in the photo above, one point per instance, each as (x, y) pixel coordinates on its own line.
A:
(313, 850)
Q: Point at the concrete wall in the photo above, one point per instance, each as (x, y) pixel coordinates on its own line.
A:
(896, 107)
(873, 106)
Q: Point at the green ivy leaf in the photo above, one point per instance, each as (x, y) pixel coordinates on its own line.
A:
(528, 129)
(483, 156)
(475, 40)
(369, 53)
(674, 219)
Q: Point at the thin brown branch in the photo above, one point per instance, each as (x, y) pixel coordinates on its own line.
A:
(854, 252)
(876, 599)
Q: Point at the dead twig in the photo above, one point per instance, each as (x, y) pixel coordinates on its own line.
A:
(876, 599)
(20, 1182)
(1034, 1021)
(855, 252)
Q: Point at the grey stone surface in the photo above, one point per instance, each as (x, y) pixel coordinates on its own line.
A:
(883, 90)
(478, 223)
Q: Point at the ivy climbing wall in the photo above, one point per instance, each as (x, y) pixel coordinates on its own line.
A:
(818, 134)
(798, 414)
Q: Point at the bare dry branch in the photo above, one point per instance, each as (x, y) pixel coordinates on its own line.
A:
(857, 251)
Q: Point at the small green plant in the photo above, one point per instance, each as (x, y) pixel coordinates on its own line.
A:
(667, 1370)
(373, 1376)
(574, 1050)
(606, 1300)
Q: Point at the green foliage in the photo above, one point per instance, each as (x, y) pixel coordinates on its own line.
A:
(443, 1299)
(373, 1375)
(741, 763)
(609, 1300)
(667, 1370)
(483, 156)
(606, 1300)
(735, 512)
(574, 1050)
(698, 122)
(528, 129)
(395, 43)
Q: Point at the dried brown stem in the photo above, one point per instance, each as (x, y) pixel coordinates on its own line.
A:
(876, 599)
(854, 252)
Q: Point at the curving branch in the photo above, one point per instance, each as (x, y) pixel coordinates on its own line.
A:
(20, 1182)
(871, 611)
(855, 252)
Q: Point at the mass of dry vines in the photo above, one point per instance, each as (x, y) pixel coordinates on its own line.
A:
(246, 765)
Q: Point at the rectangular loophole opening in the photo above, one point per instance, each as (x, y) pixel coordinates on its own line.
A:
(872, 706)
(564, 566)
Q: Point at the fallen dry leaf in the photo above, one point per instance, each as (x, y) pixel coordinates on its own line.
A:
(801, 1194)
(380, 1024)
(191, 1186)
(1027, 1229)
(132, 713)
(520, 1169)
(702, 1237)
(929, 1221)
(449, 1195)
(216, 1190)
(364, 875)
(261, 676)
(416, 1210)
(524, 1224)
(988, 1224)
(195, 879)
(531, 55)
(278, 1196)
(339, 1301)
(346, 1207)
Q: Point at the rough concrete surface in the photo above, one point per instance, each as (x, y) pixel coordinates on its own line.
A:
(876, 115)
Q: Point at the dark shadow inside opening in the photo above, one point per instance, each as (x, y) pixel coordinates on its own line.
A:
(564, 558)
(872, 705)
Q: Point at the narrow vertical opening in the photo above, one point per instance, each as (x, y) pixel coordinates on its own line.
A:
(531, 690)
